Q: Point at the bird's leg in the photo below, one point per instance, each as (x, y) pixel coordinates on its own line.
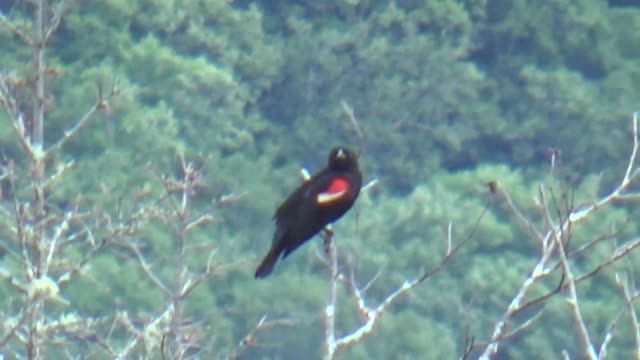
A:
(327, 235)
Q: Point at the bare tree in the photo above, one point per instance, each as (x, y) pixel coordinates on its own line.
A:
(171, 332)
(39, 232)
(372, 315)
(560, 219)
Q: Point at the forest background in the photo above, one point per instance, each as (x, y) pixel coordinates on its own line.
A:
(231, 98)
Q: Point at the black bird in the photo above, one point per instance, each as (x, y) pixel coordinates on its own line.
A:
(319, 201)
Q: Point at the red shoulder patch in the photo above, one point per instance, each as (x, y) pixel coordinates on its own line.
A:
(337, 189)
(338, 185)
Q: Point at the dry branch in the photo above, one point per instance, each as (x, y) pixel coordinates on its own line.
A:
(554, 239)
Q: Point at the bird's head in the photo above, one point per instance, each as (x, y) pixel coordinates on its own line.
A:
(341, 158)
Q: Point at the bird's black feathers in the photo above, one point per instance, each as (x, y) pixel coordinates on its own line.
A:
(319, 201)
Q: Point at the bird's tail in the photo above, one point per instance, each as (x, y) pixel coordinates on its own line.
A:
(268, 263)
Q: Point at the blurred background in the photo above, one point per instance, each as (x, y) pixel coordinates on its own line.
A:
(449, 95)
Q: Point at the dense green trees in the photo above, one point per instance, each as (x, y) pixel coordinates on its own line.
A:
(450, 95)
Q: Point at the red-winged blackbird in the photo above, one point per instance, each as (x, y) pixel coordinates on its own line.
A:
(321, 200)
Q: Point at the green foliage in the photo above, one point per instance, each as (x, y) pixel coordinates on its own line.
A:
(450, 94)
(422, 335)
(404, 112)
(554, 66)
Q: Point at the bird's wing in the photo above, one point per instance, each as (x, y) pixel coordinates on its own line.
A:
(300, 196)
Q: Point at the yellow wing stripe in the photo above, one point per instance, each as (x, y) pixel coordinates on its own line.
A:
(328, 198)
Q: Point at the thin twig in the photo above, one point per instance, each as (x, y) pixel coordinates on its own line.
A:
(26, 39)
(572, 300)
(330, 346)
(553, 239)
(146, 268)
(352, 119)
(71, 133)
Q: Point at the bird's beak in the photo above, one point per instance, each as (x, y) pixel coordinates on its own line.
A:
(341, 154)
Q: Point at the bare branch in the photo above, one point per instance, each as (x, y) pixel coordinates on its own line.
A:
(151, 334)
(249, 340)
(10, 104)
(54, 22)
(572, 300)
(200, 220)
(21, 34)
(57, 175)
(618, 254)
(348, 110)
(602, 355)
(146, 268)
(372, 315)
(22, 317)
(330, 345)
(630, 295)
(554, 240)
(526, 223)
(71, 133)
